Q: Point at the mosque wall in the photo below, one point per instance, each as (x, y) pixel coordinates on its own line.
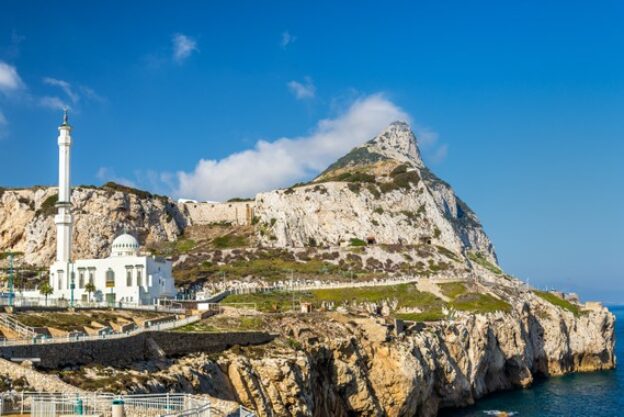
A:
(238, 213)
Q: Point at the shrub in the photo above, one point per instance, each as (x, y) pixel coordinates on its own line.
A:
(401, 169)
(48, 207)
(230, 241)
(239, 200)
(357, 242)
(379, 210)
(479, 259)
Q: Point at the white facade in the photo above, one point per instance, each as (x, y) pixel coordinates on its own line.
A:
(124, 277)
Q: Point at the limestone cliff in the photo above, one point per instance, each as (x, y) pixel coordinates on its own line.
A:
(381, 192)
(339, 365)
(27, 220)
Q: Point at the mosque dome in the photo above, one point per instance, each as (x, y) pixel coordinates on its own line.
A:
(125, 245)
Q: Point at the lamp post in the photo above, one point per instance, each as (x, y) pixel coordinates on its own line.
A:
(11, 294)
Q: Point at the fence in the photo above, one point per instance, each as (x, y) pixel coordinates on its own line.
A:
(79, 338)
(102, 404)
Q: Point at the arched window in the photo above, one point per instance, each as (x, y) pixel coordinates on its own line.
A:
(129, 277)
(110, 278)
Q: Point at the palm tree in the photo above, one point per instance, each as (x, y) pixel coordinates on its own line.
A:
(46, 289)
(90, 287)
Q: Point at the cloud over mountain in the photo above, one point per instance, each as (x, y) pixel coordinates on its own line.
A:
(283, 161)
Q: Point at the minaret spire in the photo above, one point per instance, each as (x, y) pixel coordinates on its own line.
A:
(63, 218)
(65, 117)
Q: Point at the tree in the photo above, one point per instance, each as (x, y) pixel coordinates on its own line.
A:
(46, 289)
(90, 287)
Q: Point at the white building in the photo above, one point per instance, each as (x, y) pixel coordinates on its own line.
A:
(125, 276)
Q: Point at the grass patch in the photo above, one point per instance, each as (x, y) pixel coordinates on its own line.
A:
(479, 259)
(407, 295)
(434, 315)
(463, 300)
(559, 302)
(357, 242)
(230, 241)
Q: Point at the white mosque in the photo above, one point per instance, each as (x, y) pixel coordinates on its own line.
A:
(125, 276)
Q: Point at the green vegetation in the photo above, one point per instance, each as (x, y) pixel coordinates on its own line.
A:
(406, 295)
(449, 254)
(480, 259)
(472, 302)
(357, 242)
(230, 241)
(239, 200)
(358, 156)
(272, 269)
(113, 186)
(352, 176)
(558, 301)
(48, 207)
(175, 248)
(401, 181)
(434, 315)
(64, 321)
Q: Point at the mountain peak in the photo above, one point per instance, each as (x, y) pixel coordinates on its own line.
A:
(397, 141)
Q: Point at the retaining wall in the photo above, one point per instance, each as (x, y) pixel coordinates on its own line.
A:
(124, 351)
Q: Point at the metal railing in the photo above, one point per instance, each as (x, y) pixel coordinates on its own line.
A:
(39, 340)
(16, 326)
(101, 404)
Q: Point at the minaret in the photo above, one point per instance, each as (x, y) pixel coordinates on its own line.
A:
(63, 218)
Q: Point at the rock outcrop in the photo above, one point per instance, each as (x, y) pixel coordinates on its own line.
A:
(381, 192)
(336, 365)
(27, 220)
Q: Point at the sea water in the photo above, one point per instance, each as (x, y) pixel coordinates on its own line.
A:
(597, 394)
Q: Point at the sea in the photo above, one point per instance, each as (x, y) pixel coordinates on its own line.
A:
(597, 394)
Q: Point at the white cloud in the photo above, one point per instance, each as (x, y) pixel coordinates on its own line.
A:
(183, 47)
(287, 39)
(54, 103)
(63, 85)
(284, 161)
(10, 80)
(303, 90)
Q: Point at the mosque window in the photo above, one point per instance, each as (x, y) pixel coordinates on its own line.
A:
(110, 278)
(129, 277)
(92, 275)
(81, 278)
(60, 279)
(139, 277)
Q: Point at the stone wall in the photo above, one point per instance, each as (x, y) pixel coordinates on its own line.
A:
(124, 351)
(236, 213)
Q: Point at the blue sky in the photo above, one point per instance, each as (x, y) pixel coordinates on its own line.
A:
(520, 105)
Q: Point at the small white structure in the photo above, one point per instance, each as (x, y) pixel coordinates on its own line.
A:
(125, 276)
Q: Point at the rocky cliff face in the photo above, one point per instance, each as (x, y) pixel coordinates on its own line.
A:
(27, 220)
(337, 365)
(381, 192)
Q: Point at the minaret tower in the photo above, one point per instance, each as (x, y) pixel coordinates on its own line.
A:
(63, 218)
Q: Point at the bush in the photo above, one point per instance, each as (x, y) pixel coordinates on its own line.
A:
(357, 242)
(48, 207)
(230, 241)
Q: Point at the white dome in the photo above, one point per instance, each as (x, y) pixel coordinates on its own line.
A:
(125, 245)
